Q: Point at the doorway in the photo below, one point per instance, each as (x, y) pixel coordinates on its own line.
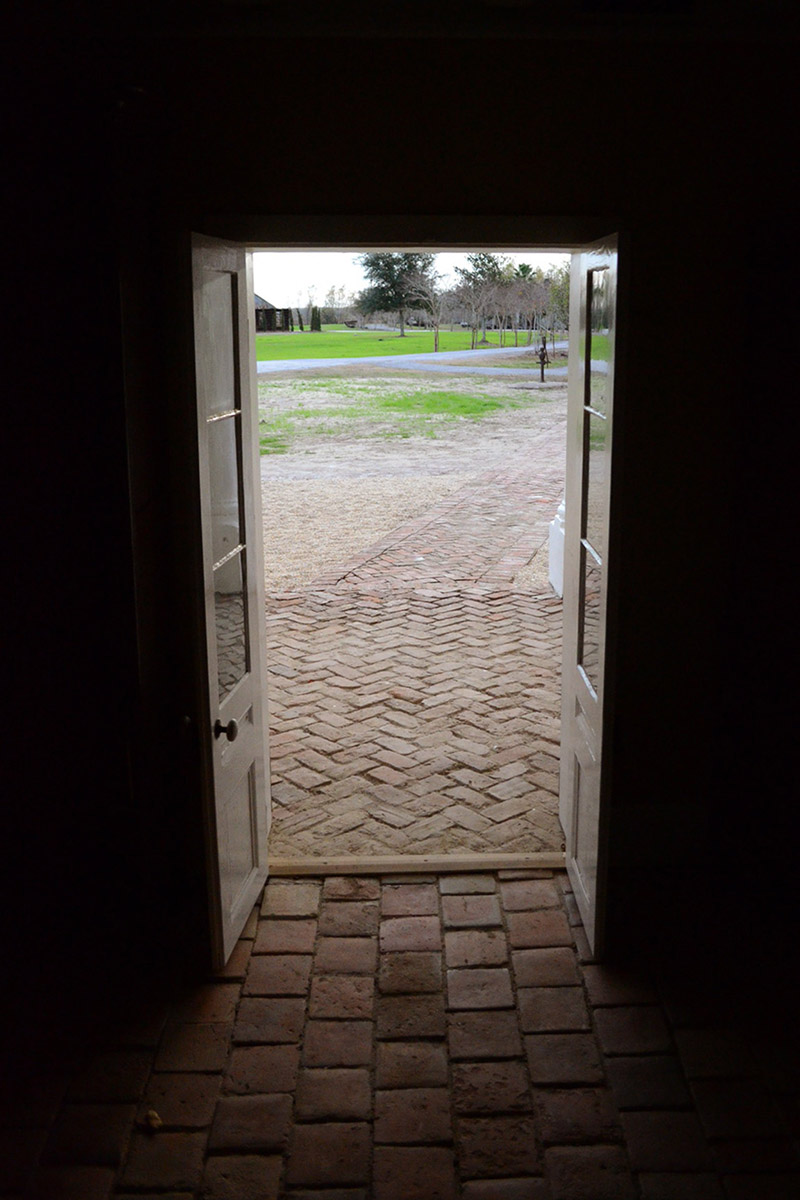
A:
(580, 789)
(414, 669)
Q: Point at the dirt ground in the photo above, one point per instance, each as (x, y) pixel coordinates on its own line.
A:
(328, 444)
(347, 481)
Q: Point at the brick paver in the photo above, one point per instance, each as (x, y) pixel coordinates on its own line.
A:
(414, 691)
(394, 1074)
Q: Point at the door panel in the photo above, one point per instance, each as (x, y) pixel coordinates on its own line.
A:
(237, 814)
(589, 442)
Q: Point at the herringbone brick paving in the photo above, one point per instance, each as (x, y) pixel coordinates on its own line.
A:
(411, 1038)
(414, 692)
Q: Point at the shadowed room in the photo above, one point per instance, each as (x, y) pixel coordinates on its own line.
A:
(128, 137)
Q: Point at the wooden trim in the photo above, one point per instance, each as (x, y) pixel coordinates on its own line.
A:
(414, 864)
(431, 231)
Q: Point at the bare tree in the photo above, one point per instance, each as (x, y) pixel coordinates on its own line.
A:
(338, 301)
(506, 296)
(519, 287)
(476, 288)
(559, 297)
(471, 297)
(310, 303)
(525, 303)
(423, 289)
(534, 297)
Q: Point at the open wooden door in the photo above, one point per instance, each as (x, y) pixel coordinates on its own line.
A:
(237, 808)
(589, 426)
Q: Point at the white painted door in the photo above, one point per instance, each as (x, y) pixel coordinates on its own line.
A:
(237, 809)
(589, 429)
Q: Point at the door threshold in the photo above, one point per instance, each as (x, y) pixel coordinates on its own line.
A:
(416, 864)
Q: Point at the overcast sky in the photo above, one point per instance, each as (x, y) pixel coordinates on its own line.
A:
(285, 278)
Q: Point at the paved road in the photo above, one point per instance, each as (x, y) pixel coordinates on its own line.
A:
(452, 363)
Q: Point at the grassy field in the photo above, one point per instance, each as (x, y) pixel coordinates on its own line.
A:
(293, 412)
(339, 342)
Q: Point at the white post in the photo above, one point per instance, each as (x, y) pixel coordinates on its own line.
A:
(556, 550)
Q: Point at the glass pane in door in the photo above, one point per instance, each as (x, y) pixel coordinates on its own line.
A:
(589, 639)
(224, 475)
(219, 381)
(599, 340)
(596, 429)
(230, 610)
(224, 432)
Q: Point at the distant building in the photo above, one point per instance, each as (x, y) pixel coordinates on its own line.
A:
(270, 319)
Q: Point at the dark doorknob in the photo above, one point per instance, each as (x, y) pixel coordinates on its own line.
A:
(231, 730)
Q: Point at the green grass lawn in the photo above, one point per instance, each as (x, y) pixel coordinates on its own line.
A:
(441, 404)
(364, 410)
(339, 342)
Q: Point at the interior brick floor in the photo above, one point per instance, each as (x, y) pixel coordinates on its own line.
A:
(410, 1038)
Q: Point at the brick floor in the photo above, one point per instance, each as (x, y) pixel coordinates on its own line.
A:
(414, 691)
(538, 1077)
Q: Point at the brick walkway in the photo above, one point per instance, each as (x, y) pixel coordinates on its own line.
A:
(411, 1039)
(414, 692)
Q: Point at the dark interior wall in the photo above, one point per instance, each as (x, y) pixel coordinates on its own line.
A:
(126, 146)
(69, 629)
(672, 143)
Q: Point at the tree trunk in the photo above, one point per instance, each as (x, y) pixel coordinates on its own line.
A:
(435, 339)
(402, 316)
